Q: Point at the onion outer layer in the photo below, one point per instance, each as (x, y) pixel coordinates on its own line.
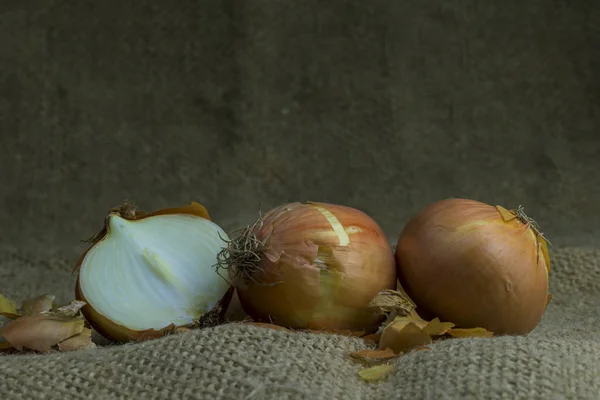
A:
(320, 266)
(475, 265)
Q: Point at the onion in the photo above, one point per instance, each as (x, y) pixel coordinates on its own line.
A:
(475, 265)
(311, 266)
(146, 275)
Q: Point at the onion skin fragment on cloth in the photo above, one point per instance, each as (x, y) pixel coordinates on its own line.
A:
(42, 326)
(151, 274)
(311, 266)
(475, 265)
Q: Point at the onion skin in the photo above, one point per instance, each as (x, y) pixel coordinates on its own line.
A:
(121, 334)
(464, 262)
(310, 277)
(106, 327)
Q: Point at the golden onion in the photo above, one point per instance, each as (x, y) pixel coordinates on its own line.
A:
(311, 266)
(475, 265)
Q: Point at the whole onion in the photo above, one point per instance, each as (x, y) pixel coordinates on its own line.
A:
(311, 266)
(475, 265)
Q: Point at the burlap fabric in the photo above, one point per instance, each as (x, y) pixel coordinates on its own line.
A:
(559, 360)
(381, 105)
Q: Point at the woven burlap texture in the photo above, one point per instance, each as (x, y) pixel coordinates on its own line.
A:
(559, 360)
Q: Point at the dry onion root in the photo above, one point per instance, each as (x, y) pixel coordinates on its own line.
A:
(147, 275)
(311, 266)
(475, 265)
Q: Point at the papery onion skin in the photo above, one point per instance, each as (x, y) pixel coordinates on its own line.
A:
(460, 260)
(119, 333)
(312, 277)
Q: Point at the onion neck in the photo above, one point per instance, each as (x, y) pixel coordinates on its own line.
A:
(117, 225)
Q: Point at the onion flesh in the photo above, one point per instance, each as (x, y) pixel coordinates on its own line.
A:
(149, 274)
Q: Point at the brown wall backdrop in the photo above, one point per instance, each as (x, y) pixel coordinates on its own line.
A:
(381, 105)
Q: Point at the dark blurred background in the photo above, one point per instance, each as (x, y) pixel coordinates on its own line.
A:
(386, 106)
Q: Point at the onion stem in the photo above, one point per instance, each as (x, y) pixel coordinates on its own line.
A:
(529, 222)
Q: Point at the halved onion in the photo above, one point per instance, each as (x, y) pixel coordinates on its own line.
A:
(475, 265)
(146, 275)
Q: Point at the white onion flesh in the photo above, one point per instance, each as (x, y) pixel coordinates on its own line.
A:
(154, 272)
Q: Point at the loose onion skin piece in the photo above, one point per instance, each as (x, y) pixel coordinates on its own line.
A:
(475, 265)
(119, 333)
(321, 266)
